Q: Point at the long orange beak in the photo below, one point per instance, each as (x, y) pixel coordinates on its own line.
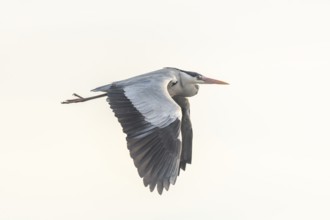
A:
(213, 81)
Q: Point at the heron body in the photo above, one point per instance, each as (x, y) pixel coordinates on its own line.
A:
(155, 115)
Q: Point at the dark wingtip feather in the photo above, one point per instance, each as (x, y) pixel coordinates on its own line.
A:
(167, 184)
(160, 187)
(152, 186)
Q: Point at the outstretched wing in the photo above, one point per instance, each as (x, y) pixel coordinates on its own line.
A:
(152, 121)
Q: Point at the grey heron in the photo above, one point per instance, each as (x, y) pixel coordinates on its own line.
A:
(154, 112)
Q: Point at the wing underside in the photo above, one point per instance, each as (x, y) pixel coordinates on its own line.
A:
(155, 150)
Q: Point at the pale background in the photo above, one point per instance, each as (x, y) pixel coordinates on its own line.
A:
(261, 145)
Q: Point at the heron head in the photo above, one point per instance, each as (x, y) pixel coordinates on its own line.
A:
(186, 83)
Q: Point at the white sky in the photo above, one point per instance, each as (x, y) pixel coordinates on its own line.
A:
(261, 145)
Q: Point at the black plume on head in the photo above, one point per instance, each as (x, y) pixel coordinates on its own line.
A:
(193, 74)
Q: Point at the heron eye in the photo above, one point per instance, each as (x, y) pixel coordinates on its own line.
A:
(199, 77)
(173, 83)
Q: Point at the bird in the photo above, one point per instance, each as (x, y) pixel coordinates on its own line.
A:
(154, 112)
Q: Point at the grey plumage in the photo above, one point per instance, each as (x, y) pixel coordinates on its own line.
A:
(155, 150)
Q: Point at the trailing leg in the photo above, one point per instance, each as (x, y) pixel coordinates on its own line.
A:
(82, 99)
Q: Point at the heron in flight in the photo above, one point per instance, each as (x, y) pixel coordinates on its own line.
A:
(154, 113)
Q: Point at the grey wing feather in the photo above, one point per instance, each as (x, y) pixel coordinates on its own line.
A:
(154, 142)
